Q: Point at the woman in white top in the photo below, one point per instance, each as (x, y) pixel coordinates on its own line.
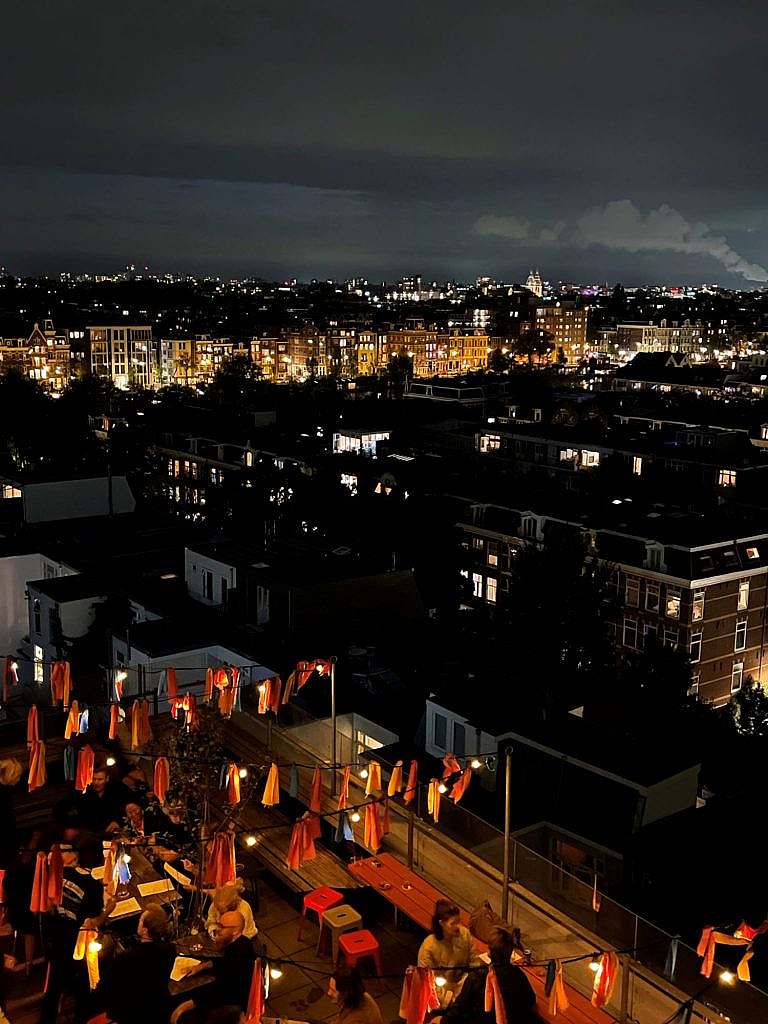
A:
(226, 898)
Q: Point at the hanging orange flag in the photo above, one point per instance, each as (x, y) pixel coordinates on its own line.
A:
(316, 802)
(271, 795)
(302, 845)
(413, 782)
(373, 782)
(33, 728)
(61, 682)
(254, 1011)
(596, 898)
(372, 829)
(227, 692)
(450, 766)
(40, 901)
(37, 765)
(433, 799)
(86, 949)
(460, 786)
(233, 784)
(221, 862)
(141, 733)
(344, 792)
(171, 684)
(494, 1000)
(269, 695)
(110, 875)
(208, 694)
(554, 988)
(114, 721)
(72, 725)
(84, 772)
(395, 780)
(55, 876)
(605, 979)
(160, 780)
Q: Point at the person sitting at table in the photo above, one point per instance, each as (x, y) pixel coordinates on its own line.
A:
(225, 899)
(134, 985)
(355, 1005)
(100, 808)
(232, 970)
(516, 990)
(449, 945)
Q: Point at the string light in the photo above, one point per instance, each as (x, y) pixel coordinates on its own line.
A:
(476, 763)
(440, 981)
(262, 687)
(363, 773)
(594, 963)
(442, 788)
(250, 840)
(354, 816)
(275, 973)
(243, 773)
(94, 946)
(15, 666)
(127, 858)
(111, 762)
(121, 676)
(727, 977)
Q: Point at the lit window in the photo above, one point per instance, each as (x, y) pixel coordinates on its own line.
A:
(737, 676)
(630, 633)
(38, 664)
(490, 590)
(493, 552)
(590, 458)
(477, 543)
(673, 602)
(695, 647)
(632, 593)
(637, 465)
(743, 602)
(697, 613)
(740, 639)
(727, 478)
(753, 553)
(652, 592)
(477, 584)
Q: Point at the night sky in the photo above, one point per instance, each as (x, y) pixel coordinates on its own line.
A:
(595, 140)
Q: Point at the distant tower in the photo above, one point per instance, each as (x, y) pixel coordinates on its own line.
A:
(535, 284)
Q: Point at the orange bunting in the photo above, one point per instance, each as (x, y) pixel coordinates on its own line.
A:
(271, 795)
(413, 782)
(555, 989)
(72, 725)
(221, 867)
(40, 901)
(110, 875)
(302, 845)
(419, 995)
(227, 691)
(494, 1000)
(344, 792)
(84, 771)
(395, 780)
(141, 732)
(55, 876)
(161, 778)
(84, 950)
(373, 782)
(460, 786)
(372, 829)
(33, 726)
(254, 1011)
(114, 721)
(605, 979)
(233, 784)
(61, 682)
(433, 799)
(450, 766)
(37, 765)
(171, 683)
(269, 695)
(208, 693)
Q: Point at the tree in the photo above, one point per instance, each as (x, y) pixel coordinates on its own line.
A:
(534, 342)
(748, 709)
(498, 361)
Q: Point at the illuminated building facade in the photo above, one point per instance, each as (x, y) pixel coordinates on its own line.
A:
(566, 323)
(124, 354)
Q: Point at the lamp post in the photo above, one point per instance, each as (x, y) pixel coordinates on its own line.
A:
(507, 822)
(333, 726)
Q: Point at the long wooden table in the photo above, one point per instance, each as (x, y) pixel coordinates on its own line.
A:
(142, 871)
(415, 897)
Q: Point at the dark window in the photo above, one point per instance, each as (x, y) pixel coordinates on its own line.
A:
(223, 590)
(208, 585)
(36, 617)
(459, 740)
(441, 730)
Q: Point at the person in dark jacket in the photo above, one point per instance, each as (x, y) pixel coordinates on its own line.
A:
(516, 990)
(134, 987)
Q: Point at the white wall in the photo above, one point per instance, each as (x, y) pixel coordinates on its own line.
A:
(15, 572)
(672, 795)
(195, 565)
(475, 741)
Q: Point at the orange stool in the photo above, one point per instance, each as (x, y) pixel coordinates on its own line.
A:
(319, 900)
(356, 945)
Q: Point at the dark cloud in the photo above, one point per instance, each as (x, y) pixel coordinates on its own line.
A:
(327, 139)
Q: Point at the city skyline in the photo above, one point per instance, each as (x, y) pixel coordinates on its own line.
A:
(326, 144)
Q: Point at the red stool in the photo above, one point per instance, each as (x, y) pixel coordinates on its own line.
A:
(356, 945)
(319, 900)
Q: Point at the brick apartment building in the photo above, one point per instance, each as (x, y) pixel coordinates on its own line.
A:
(680, 580)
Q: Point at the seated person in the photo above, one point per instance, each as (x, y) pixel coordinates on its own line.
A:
(232, 970)
(516, 990)
(226, 898)
(101, 807)
(134, 985)
(355, 1005)
(450, 945)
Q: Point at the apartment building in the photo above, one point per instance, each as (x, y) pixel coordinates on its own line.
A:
(680, 580)
(292, 355)
(44, 356)
(125, 354)
(439, 352)
(666, 337)
(566, 323)
(190, 361)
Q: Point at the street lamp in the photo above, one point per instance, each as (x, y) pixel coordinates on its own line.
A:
(507, 823)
